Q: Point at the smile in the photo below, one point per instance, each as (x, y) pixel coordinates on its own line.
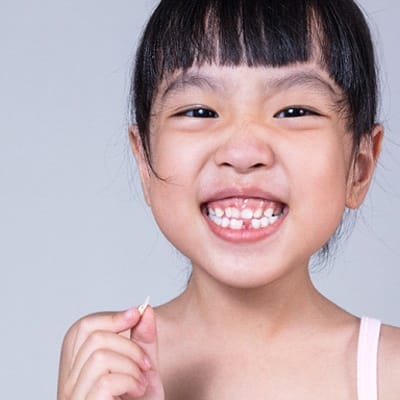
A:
(244, 213)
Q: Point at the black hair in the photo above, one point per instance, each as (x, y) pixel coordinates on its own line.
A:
(184, 33)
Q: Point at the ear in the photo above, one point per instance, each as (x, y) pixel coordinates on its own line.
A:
(139, 153)
(363, 166)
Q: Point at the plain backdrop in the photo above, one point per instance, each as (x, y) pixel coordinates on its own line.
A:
(75, 235)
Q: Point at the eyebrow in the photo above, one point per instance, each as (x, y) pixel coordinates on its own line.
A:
(308, 78)
(190, 79)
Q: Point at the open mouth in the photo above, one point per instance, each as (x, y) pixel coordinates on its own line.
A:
(244, 213)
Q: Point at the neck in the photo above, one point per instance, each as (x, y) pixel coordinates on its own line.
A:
(280, 305)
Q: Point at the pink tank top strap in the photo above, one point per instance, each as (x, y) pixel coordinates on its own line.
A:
(367, 359)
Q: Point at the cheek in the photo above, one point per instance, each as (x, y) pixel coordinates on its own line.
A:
(319, 188)
(178, 158)
(322, 163)
(173, 192)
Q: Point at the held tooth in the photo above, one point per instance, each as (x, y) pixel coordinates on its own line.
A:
(236, 224)
(211, 212)
(142, 307)
(256, 223)
(247, 213)
(219, 213)
(264, 222)
(269, 212)
(228, 212)
(235, 212)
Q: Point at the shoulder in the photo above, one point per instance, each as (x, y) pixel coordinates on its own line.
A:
(389, 363)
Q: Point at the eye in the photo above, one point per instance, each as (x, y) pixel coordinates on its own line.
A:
(198, 112)
(294, 112)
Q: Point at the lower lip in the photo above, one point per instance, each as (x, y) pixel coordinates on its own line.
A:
(245, 235)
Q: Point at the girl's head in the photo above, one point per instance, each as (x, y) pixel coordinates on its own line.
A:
(259, 116)
(334, 34)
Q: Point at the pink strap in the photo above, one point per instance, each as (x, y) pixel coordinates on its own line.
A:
(367, 359)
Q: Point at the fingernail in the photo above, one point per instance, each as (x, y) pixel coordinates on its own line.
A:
(146, 363)
(129, 313)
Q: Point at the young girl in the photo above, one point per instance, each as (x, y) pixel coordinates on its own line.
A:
(254, 129)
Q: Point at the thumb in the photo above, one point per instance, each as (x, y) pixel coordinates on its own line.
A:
(145, 335)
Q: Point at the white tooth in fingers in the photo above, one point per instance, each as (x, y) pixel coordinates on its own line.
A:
(264, 222)
(236, 224)
(269, 212)
(225, 222)
(228, 212)
(255, 223)
(219, 213)
(143, 306)
(273, 219)
(258, 213)
(247, 213)
(235, 212)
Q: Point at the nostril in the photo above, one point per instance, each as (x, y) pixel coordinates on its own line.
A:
(258, 165)
(233, 165)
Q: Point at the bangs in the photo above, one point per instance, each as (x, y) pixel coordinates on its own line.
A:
(228, 33)
(231, 33)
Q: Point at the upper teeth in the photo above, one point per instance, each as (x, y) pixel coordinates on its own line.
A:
(234, 218)
(247, 213)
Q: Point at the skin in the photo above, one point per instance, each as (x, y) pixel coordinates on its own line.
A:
(250, 323)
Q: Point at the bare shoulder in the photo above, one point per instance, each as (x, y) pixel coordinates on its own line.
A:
(389, 363)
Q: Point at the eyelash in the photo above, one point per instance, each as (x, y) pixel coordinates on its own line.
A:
(294, 112)
(290, 112)
(199, 112)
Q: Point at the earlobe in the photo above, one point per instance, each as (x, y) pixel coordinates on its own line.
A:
(363, 167)
(139, 153)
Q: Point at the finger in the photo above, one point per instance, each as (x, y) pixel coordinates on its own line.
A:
(113, 342)
(103, 363)
(145, 335)
(113, 322)
(112, 385)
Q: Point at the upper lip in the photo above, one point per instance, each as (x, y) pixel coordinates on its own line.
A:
(242, 192)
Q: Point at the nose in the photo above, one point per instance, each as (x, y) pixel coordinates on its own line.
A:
(246, 149)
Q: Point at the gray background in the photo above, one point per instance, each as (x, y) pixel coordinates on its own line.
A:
(75, 235)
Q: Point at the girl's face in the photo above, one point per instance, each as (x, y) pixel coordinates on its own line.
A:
(256, 168)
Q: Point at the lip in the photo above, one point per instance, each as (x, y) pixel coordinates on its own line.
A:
(244, 235)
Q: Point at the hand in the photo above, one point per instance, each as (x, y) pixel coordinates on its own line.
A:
(111, 356)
